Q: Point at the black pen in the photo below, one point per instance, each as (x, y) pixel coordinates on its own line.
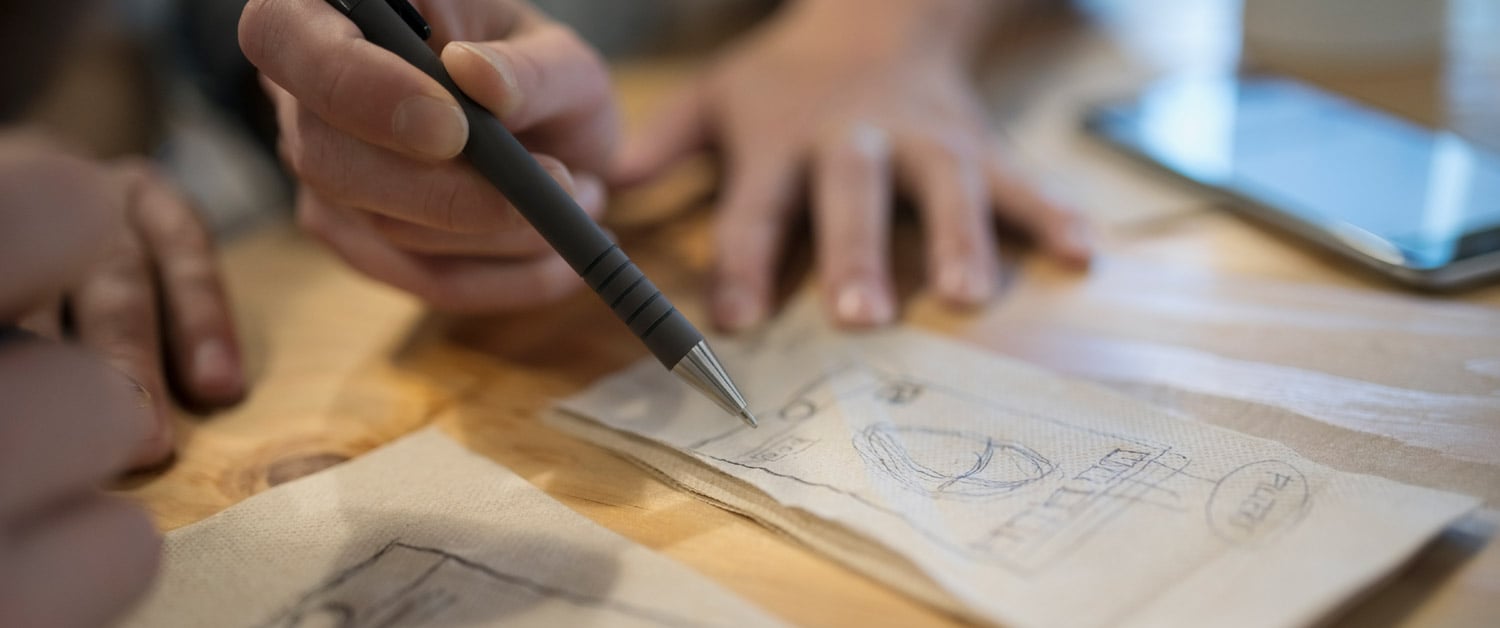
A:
(397, 26)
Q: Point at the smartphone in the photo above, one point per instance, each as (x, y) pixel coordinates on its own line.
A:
(1419, 206)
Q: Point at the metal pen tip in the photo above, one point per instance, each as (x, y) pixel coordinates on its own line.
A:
(701, 368)
(748, 418)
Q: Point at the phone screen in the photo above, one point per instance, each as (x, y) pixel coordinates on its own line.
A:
(1418, 198)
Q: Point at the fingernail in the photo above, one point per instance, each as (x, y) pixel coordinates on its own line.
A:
(862, 305)
(738, 309)
(158, 442)
(213, 368)
(961, 284)
(430, 126)
(507, 74)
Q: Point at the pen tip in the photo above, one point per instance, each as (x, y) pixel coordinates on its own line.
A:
(748, 418)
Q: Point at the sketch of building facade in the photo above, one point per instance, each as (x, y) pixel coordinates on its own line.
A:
(956, 465)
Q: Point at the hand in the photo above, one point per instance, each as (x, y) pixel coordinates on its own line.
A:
(855, 97)
(69, 555)
(154, 292)
(373, 142)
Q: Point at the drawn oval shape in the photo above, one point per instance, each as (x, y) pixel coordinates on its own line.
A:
(798, 410)
(950, 464)
(1257, 500)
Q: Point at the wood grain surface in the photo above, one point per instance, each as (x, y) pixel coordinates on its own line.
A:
(1195, 310)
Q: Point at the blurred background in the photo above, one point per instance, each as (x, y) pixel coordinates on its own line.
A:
(165, 78)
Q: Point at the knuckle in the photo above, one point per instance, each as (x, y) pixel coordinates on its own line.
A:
(317, 162)
(857, 267)
(744, 206)
(440, 206)
(964, 244)
(128, 260)
(858, 141)
(851, 245)
(738, 262)
(310, 218)
(132, 359)
(124, 307)
(187, 232)
(195, 277)
(741, 273)
(334, 84)
(174, 224)
(454, 201)
(856, 161)
(946, 149)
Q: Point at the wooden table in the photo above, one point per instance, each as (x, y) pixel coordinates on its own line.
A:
(1192, 309)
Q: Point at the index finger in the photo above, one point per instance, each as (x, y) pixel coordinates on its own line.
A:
(319, 56)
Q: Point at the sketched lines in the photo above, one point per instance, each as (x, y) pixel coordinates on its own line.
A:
(404, 584)
(946, 464)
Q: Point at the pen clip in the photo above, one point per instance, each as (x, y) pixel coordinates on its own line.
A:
(412, 18)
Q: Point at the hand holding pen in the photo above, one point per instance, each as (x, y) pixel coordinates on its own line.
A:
(394, 28)
(372, 140)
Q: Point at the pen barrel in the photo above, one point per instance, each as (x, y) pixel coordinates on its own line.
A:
(506, 163)
(641, 306)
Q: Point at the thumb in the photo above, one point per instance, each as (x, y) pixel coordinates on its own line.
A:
(678, 130)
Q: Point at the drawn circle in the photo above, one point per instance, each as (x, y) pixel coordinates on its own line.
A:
(950, 464)
(798, 410)
(1256, 501)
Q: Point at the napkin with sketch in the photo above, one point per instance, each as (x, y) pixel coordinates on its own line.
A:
(422, 532)
(1010, 495)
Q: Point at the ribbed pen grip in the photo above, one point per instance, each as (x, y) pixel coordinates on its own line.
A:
(643, 308)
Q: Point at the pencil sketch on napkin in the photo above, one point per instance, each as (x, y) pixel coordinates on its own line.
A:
(1011, 495)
